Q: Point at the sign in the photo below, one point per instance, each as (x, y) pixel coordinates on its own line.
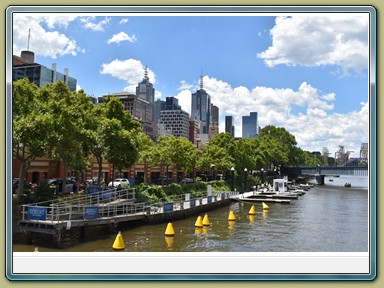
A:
(192, 203)
(37, 213)
(168, 207)
(187, 197)
(91, 212)
(93, 189)
(209, 199)
(107, 195)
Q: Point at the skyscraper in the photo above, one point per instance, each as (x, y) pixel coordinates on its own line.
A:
(229, 128)
(215, 114)
(146, 91)
(250, 125)
(201, 107)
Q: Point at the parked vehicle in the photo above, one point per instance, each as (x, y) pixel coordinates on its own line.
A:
(164, 180)
(57, 184)
(119, 181)
(15, 185)
(187, 180)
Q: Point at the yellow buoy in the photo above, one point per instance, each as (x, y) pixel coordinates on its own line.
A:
(252, 211)
(206, 220)
(119, 243)
(231, 216)
(169, 231)
(36, 249)
(199, 222)
(265, 206)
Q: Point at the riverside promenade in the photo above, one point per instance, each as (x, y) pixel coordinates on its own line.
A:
(110, 208)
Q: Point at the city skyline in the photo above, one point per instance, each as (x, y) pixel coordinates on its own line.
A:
(308, 74)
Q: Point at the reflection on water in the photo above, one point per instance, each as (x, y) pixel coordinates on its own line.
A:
(326, 219)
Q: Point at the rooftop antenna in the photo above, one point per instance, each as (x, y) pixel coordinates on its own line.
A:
(201, 79)
(29, 38)
(146, 73)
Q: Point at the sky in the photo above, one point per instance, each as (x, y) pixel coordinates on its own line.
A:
(307, 73)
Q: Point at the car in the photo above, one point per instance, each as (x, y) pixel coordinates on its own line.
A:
(119, 181)
(57, 184)
(187, 180)
(15, 185)
(164, 180)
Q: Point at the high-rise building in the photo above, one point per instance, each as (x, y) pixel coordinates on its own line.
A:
(171, 103)
(175, 120)
(25, 67)
(250, 125)
(145, 90)
(140, 109)
(229, 127)
(215, 114)
(201, 107)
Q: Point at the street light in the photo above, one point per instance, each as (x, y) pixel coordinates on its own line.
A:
(232, 179)
(262, 176)
(245, 179)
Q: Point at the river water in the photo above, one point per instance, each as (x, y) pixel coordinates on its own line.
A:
(328, 218)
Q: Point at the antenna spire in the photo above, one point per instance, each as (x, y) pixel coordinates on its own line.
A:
(146, 73)
(201, 80)
(29, 38)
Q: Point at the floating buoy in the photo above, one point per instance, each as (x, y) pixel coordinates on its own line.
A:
(199, 222)
(265, 206)
(252, 211)
(231, 216)
(147, 239)
(36, 249)
(206, 220)
(169, 231)
(119, 243)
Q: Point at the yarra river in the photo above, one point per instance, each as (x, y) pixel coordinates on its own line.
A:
(328, 218)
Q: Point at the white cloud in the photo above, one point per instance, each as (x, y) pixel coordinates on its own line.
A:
(339, 40)
(42, 42)
(129, 70)
(122, 36)
(184, 85)
(95, 26)
(316, 127)
(123, 21)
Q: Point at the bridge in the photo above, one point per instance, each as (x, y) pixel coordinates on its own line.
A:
(320, 172)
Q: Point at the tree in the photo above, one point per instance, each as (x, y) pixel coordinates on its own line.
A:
(31, 126)
(145, 154)
(68, 122)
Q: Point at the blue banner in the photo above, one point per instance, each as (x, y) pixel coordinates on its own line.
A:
(107, 195)
(92, 189)
(91, 212)
(192, 203)
(209, 199)
(37, 213)
(168, 207)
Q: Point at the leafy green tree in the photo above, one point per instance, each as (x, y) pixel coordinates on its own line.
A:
(219, 153)
(31, 126)
(161, 154)
(145, 152)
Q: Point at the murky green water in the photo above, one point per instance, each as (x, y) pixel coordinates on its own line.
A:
(326, 219)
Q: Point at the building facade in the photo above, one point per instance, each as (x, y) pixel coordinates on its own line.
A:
(229, 127)
(201, 108)
(25, 67)
(176, 121)
(250, 126)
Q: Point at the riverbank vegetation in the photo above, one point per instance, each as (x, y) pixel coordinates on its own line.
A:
(66, 126)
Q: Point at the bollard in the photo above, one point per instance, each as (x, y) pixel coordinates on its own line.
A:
(169, 231)
(119, 243)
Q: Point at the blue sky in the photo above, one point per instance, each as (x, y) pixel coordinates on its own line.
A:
(307, 73)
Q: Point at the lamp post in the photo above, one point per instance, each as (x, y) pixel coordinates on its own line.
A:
(245, 179)
(262, 176)
(232, 179)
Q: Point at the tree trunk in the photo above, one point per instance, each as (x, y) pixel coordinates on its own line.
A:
(65, 169)
(100, 163)
(22, 172)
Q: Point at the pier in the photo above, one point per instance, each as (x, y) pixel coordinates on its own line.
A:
(110, 208)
